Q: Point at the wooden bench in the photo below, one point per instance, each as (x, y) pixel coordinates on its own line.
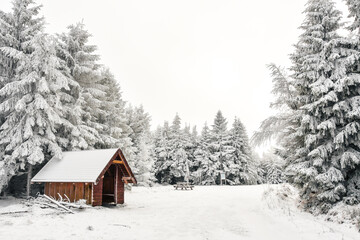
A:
(183, 186)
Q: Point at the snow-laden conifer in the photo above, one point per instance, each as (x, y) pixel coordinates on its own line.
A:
(142, 156)
(220, 145)
(180, 162)
(206, 172)
(346, 140)
(315, 59)
(354, 10)
(114, 119)
(162, 150)
(29, 132)
(242, 169)
(29, 91)
(84, 68)
(273, 167)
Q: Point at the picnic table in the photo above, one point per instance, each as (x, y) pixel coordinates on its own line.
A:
(183, 186)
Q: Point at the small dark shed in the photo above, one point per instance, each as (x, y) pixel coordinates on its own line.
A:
(96, 175)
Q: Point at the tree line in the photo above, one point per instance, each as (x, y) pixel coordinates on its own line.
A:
(182, 155)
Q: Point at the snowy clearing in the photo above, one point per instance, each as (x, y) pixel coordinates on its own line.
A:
(207, 212)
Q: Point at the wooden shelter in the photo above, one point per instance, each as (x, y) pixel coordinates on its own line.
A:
(95, 175)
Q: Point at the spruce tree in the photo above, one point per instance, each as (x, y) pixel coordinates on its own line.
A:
(347, 145)
(29, 132)
(313, 166)
(143, 154)
(354, 10)
(162, 151)
(220, 148)
(206, 172)
(273, 166)
(180, 162)
(241, 166)
(114, 119)
(82, 62)
(281, 127)
(30, 92)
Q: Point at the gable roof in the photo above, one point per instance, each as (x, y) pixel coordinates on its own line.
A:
(82, 166)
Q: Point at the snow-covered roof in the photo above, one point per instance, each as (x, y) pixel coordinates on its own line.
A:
(78, 166)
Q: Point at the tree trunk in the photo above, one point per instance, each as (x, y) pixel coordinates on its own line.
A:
(28, 184)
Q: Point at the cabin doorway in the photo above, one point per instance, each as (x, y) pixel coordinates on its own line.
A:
(108, 195)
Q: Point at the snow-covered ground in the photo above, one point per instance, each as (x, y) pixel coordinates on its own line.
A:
(207, 212)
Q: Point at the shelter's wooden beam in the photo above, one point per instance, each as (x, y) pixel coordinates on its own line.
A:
(119, 162)
(125, 165)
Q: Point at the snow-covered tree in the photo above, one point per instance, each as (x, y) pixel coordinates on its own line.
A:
(314, 167)
(220, 144)
(213, 152)
(29, 132)
(142, 160)
(139, 122)
(81, 60)
(354, 10)
(347, 144)
(162, 150)
(241, 166)
(206, 172)
(273, 167)
(179, 158)
(174, 153)
(278, 127)
(30, 92)
(114, 119)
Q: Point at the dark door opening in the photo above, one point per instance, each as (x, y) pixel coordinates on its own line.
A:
(108, 195)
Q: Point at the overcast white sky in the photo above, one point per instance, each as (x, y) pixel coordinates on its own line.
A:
(193, 57)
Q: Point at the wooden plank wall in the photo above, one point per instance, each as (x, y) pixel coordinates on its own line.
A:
(97, 193)
(74, 191)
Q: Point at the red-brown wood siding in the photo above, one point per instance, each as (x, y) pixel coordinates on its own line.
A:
(97, 193)
(47, 189)
(74, 191)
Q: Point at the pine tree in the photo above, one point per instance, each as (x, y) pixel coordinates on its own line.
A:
(273, 167)
(347, 146)
(163, 159)
(206, 172)
(180, 162)
(315, 170)
(173, 153)
(143, 156)
(139, 122)
(30, 92)
(241, 166)
(114, 120)
(81, 60)
(282, 126)
(29, 132)
(144, 161)
(354, 10)
(70, 135)
(220, 148)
